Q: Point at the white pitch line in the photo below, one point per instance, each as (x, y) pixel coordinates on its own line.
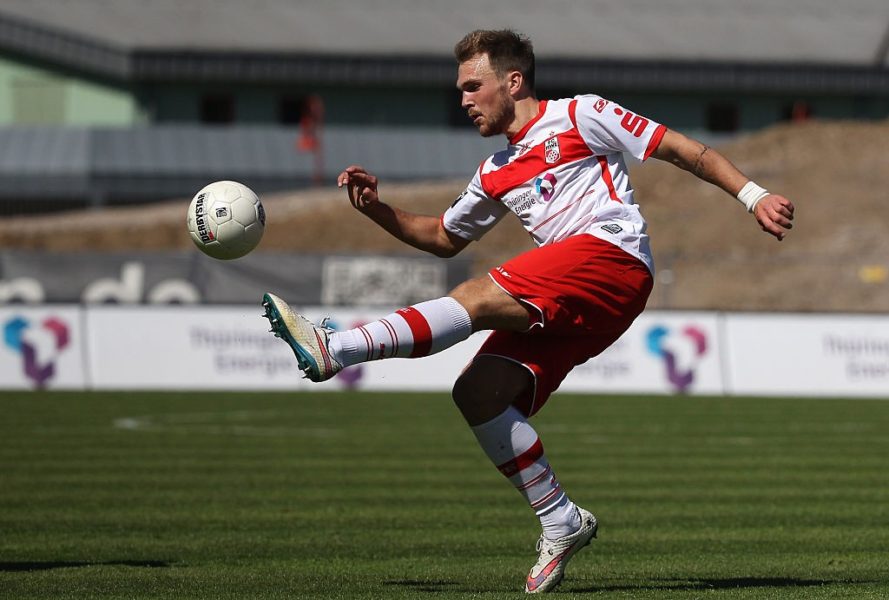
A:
(214, 423)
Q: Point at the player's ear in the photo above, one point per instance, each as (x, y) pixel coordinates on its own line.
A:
(514, 81)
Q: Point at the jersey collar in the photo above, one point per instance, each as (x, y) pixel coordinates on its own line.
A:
(541, 108)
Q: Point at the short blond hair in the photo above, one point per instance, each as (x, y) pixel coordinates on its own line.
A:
(507, 51)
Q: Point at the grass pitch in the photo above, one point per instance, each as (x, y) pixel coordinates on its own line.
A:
(113, 495)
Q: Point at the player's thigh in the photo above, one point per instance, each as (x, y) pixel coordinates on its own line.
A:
(489, 385)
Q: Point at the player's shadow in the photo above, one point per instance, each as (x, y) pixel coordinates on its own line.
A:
(48, 565)
(717, 584)
(676, 585)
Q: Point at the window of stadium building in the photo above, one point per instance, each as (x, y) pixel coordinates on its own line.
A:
(722, 117)
(217, 108)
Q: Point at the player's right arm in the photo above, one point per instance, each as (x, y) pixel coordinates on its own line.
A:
(420, 231)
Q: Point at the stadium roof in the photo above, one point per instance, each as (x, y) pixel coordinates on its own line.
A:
(764, 44)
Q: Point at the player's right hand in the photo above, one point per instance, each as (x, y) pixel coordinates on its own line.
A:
(361, 186)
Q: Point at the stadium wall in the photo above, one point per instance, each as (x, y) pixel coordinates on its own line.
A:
(75, 347)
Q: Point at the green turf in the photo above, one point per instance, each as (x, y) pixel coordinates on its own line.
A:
(388, 496)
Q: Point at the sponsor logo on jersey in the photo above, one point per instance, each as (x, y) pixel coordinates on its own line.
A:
(600, 105)
(551, 151)
(522, 202)
(545, 186)
(612, 228)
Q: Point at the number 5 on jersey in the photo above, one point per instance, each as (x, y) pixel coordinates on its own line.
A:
(634, 123)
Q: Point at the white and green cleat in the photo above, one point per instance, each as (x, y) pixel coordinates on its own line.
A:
(308, 341)
(553, 555)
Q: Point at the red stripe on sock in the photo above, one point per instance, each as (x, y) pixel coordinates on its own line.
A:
(523, 460)
(538, 479)
(392, 334)
(547, 498)
(368, 341)
(420, 330)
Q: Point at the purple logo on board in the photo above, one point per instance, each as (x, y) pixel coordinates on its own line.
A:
(659, 338)
(23, 337)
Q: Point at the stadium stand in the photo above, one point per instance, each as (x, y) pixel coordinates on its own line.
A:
(130, 97)
(75, 166)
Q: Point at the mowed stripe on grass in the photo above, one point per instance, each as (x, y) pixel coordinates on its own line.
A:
(357, 495)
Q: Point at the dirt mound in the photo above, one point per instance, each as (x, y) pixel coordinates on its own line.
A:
(710, 254)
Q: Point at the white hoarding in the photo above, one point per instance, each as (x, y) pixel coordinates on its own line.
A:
(200, 348)
(662, 353)
(42, 348)
(808, 355)
(221, 348)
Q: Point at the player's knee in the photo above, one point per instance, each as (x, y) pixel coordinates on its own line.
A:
(471, 294)
(466, 389)
(490, 307)
(488, 387)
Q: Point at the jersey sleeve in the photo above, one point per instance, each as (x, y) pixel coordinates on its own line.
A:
(473, 213)
(608, 127)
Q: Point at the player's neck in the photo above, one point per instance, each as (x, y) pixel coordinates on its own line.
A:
(526, 109)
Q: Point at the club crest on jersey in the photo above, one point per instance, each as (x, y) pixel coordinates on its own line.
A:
(551, 151)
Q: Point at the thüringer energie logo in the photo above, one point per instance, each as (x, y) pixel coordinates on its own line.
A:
(681, 352)
(39, 346)
(545, 186)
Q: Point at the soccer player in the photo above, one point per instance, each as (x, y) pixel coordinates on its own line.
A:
(563, 175)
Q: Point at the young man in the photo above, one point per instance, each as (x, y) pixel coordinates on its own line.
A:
(563, 175)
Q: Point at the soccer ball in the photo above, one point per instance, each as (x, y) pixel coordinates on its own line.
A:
(226, 220)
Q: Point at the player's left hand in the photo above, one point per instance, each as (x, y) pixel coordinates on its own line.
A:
(774, 214)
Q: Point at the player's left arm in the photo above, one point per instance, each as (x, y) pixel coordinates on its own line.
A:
(774, 213)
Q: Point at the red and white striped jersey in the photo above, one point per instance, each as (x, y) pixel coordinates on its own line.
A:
(564, 174)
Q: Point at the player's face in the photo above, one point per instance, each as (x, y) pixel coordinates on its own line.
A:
(486, 97)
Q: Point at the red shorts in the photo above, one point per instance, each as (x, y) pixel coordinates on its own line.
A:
(582, 294)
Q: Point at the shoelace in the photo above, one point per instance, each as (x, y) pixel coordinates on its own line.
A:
(323, 325)
(539, 546)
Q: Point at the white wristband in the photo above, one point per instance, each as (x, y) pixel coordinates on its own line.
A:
(750, 194)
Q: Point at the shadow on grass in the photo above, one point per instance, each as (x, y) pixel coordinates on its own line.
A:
(419, 585)
(719, 584)
(47, 565)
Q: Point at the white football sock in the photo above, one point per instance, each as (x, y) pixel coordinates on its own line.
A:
(514, 448)
(412, 332)
(561, 520)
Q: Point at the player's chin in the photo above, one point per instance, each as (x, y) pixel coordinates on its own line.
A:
(486, 130)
